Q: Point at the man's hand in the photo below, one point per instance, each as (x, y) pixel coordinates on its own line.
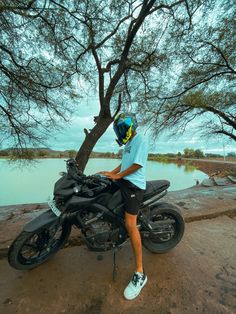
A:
(113, 176)
(105, 173)
(110, 175)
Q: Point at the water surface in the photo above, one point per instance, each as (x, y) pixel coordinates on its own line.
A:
(35, 184)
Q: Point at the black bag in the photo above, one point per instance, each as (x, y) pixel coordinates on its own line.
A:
(64, 188)
(74, 182)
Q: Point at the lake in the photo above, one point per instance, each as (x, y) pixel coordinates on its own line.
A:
(34, 184)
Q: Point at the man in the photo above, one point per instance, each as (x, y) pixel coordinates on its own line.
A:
(130, 177)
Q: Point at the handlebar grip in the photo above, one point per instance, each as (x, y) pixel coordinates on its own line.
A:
(106, 181)
(98, 178)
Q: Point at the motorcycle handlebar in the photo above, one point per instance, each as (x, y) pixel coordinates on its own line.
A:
(72, 165)
(98, 178)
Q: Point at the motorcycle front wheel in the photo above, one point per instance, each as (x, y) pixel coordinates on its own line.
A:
(31, 249)
(169, 216)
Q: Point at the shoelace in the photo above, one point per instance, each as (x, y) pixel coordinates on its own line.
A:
(135, 279)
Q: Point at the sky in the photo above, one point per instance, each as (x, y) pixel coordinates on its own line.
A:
(73, 135)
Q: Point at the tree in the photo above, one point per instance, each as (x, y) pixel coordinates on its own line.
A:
(35, 74)
(231, 154)
(198, 153)
(220, 104)
(122, 49)
(108, 45)
(133, 54)
(204, 85)
(189, 153)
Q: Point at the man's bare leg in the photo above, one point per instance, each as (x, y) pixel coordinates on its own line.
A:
(131, 226)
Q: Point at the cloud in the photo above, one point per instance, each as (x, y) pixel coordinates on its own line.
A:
(72, 136)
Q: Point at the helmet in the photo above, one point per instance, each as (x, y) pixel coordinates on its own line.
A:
(124, 125)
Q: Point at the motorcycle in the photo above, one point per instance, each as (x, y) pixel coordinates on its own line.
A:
(94, 205)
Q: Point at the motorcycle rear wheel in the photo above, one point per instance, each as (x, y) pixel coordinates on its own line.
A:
(164, 244)
(31, 249)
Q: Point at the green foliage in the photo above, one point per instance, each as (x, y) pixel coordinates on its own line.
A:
(211, 155)
(231, 154)
(191, 153)
(189, 168)
(41, 153)
(71, 153)
(198, 153)
(160, 158)
(4, 153)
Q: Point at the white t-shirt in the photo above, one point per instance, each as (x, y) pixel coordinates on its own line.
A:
(136, 152)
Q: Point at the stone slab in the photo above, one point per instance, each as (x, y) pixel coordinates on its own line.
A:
(222, 181)
(208, 182)
(232, 178)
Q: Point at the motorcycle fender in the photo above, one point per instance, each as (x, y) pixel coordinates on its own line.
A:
(44, 219)
(164, 205)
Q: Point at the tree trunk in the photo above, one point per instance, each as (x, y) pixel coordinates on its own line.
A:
(91, 139)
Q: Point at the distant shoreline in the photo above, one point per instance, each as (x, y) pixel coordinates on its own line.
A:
(210, 167)
(219, 166)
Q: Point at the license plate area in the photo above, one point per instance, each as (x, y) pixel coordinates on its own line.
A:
(52, 205)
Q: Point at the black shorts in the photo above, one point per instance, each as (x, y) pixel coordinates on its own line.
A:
(132, 196)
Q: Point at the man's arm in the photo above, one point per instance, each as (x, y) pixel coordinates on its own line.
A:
(126, 172)
(114, 171)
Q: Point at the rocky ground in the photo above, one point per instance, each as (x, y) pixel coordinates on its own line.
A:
(198, 276)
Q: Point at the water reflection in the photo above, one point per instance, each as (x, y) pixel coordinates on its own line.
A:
(189, 168)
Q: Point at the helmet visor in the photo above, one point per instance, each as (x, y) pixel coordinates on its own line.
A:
(122, 127)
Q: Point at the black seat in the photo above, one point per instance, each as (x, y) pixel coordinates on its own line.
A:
(155, 187)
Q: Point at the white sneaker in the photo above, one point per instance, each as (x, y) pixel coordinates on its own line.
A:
(135, 286)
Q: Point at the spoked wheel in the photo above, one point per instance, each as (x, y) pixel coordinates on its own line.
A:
(168, 228)
(31, 249)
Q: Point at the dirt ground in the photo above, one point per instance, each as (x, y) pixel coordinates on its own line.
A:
(198, 276)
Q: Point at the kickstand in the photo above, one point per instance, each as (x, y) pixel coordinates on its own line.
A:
(114, 271)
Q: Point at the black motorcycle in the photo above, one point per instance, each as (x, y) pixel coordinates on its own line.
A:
(94, 205)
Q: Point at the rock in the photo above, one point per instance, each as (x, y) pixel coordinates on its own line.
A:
(222, 181)
(232, 179)
(208, 182)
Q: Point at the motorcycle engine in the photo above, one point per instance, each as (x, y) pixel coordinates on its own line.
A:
(101, 234)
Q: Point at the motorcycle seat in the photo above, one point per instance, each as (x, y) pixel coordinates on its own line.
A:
(155, 187)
